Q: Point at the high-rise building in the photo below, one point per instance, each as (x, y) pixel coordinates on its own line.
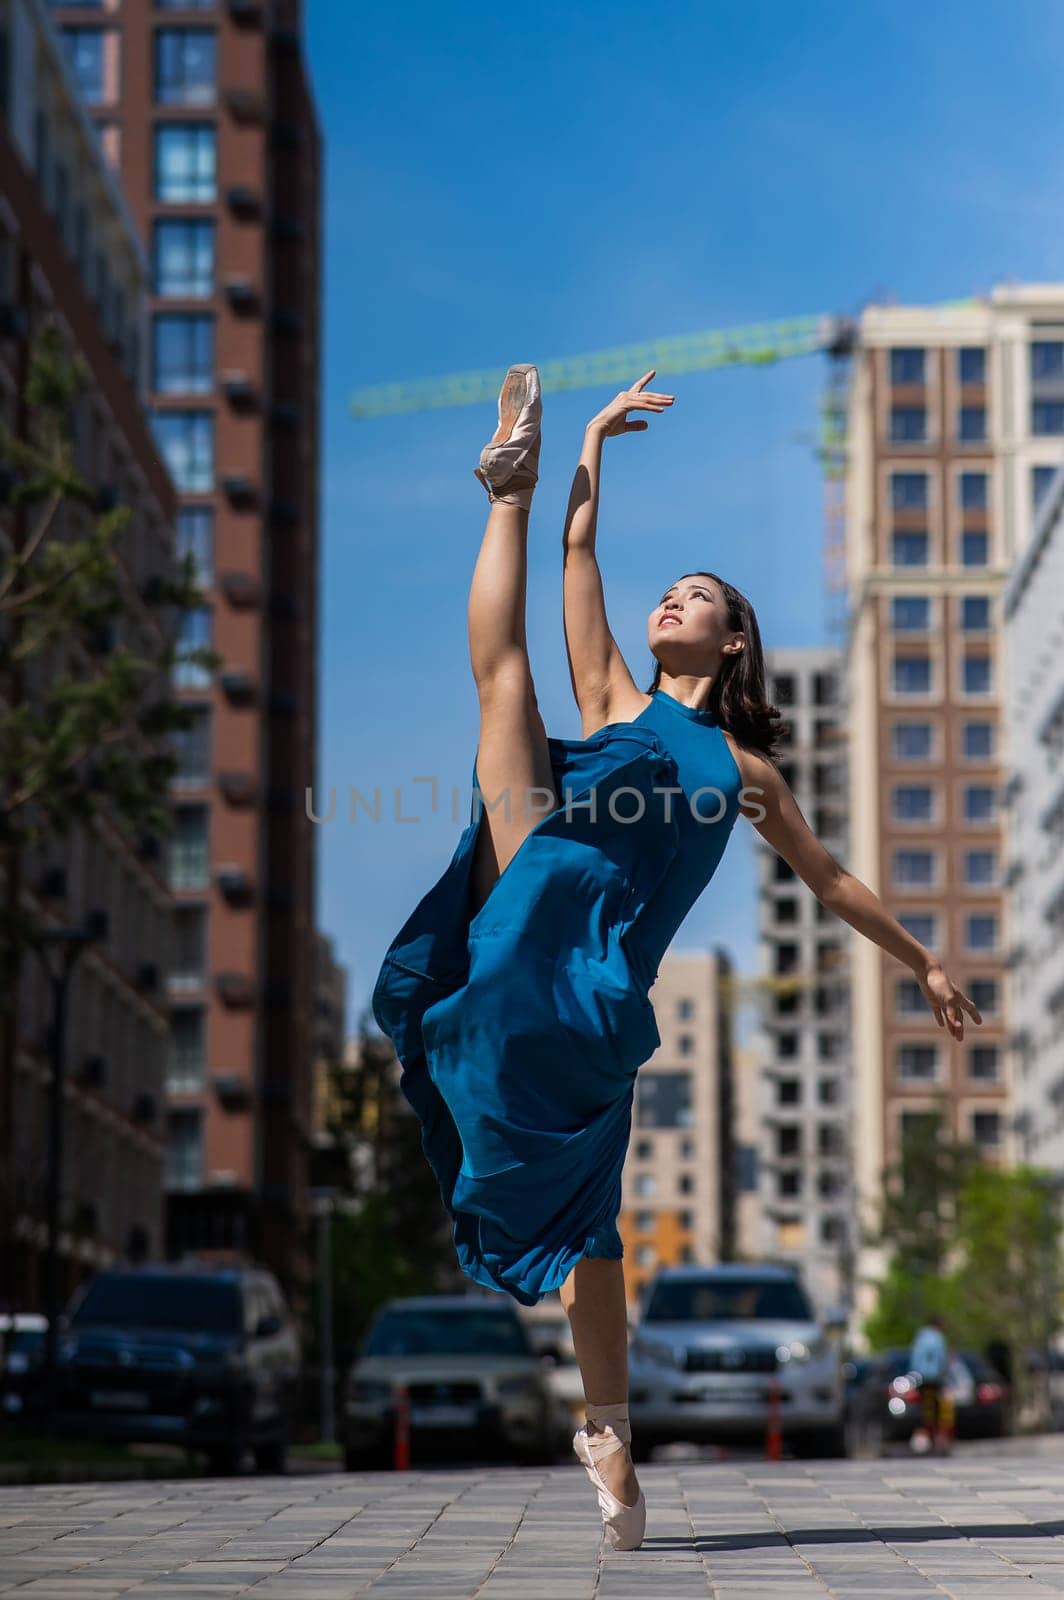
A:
(807, 1061)
(1034, 626)
(206, 113)
(69, 253)
(955, 427)
(679, 1179)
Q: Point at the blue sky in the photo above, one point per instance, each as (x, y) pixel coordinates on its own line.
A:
(510, 184)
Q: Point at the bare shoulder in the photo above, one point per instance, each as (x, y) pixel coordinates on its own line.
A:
(755, 768)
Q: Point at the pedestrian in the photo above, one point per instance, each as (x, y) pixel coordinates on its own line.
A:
(929, 1358)
(516, 993)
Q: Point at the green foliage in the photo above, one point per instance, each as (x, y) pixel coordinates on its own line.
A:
(86, 661)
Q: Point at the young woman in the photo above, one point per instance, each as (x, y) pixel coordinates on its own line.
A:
(516, 993)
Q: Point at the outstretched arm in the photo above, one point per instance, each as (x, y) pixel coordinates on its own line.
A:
(599, 674)
(791, 837)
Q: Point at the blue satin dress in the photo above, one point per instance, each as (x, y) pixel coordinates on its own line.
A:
(520, 1028)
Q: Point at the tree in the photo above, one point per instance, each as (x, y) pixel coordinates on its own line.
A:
(86, 663)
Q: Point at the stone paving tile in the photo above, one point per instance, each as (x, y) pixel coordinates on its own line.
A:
(976, 1527)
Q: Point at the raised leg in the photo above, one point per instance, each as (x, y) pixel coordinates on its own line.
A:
(594, 1301)
(513, 763)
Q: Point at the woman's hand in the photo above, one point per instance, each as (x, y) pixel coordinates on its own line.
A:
(947, 1001)
(613, 418)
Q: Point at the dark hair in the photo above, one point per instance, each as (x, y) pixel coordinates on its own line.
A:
(738, 699)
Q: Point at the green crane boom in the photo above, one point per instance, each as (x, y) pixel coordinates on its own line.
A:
(760, 344)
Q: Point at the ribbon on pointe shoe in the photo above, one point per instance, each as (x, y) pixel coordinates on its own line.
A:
(624, 1525)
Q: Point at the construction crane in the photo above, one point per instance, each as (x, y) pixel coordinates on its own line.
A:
(759, 344)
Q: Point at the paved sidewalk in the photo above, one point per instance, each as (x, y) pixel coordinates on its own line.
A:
(986, 1524)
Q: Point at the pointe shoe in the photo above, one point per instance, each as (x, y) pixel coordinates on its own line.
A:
(624, 1525)
(509, 463)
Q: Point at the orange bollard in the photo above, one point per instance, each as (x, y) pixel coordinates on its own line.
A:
(773, 1430)
(401, 1458)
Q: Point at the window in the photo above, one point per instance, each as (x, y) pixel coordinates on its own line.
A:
(685, 1010)
(192, 747)
(977, 675)
(912, 674)
(909, 549)
(686, 1149)
(914, 802)
(189, 863)
(910, 613)
(184, 5)
(186, 163)
(184, 1151)
(971, 423)
(194, 633)
(832, 1230)
(789, 1092)
(786, 910)
(195, 538)
(908, 491)
(183, 353)
(908, 424)
(908, 998)
(188, 1034)
(788, 1141)
(787, 1046)
(971, 364)
(980, 869)
(829, 1140)
(685, 1184)
(789, 1184)
(645, 1255)
(975, 613)
(977, 741)
(829, 1091)
(921, 925)
(915, 1128)
(980, 803)
(644, 1221)
(986, 1129)
(183, 256)
(975, 549)
(746, 1158)
(1041, 478)
(645, 1185)
(85, 52)
(784, 690)
(185, 70)
(984, 1065)
(914, 869)
(907, 366)
(644, 1149)
(186, 442)
(1047, 416)
(825, 688)
(1047, 359)
(663, 1100)
(685, 1044)
(828, 1046)
(190, 947)
(912, 741)
(917, 1063)
(973, 491)
(981, 930)
(984, 995)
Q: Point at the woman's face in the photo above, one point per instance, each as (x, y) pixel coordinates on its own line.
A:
(689, 626)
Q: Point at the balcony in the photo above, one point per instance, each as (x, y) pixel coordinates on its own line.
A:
(244, 202)
(239, 686)
(242, 589)
(245, 105)
(239, 490)
(242, 295)
(233, 1091)
(239, 788)
(235, 884)
(235, 989)
(245, 13)
(241, 393)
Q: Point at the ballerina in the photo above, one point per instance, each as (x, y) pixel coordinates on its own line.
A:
(516, 993)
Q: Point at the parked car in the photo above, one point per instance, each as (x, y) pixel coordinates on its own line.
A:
(22, 1339)
(472, 1378)
(710, 1345)
(552, 1339)
(887, 1408)
(207, 1358)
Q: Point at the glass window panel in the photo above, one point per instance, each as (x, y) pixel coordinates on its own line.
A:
(183, 256)
(186, 163)
(185, 66)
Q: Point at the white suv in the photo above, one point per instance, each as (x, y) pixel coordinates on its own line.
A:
(711, 1345)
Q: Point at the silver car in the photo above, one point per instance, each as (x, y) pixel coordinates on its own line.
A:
(720, 1352)
(471, 1376)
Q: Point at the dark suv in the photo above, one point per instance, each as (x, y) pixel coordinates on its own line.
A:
(206, 1358)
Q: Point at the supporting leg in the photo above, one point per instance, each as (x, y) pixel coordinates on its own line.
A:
(594, 1301)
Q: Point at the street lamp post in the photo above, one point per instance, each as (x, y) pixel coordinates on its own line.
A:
(323, 1206)
(69, 942)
